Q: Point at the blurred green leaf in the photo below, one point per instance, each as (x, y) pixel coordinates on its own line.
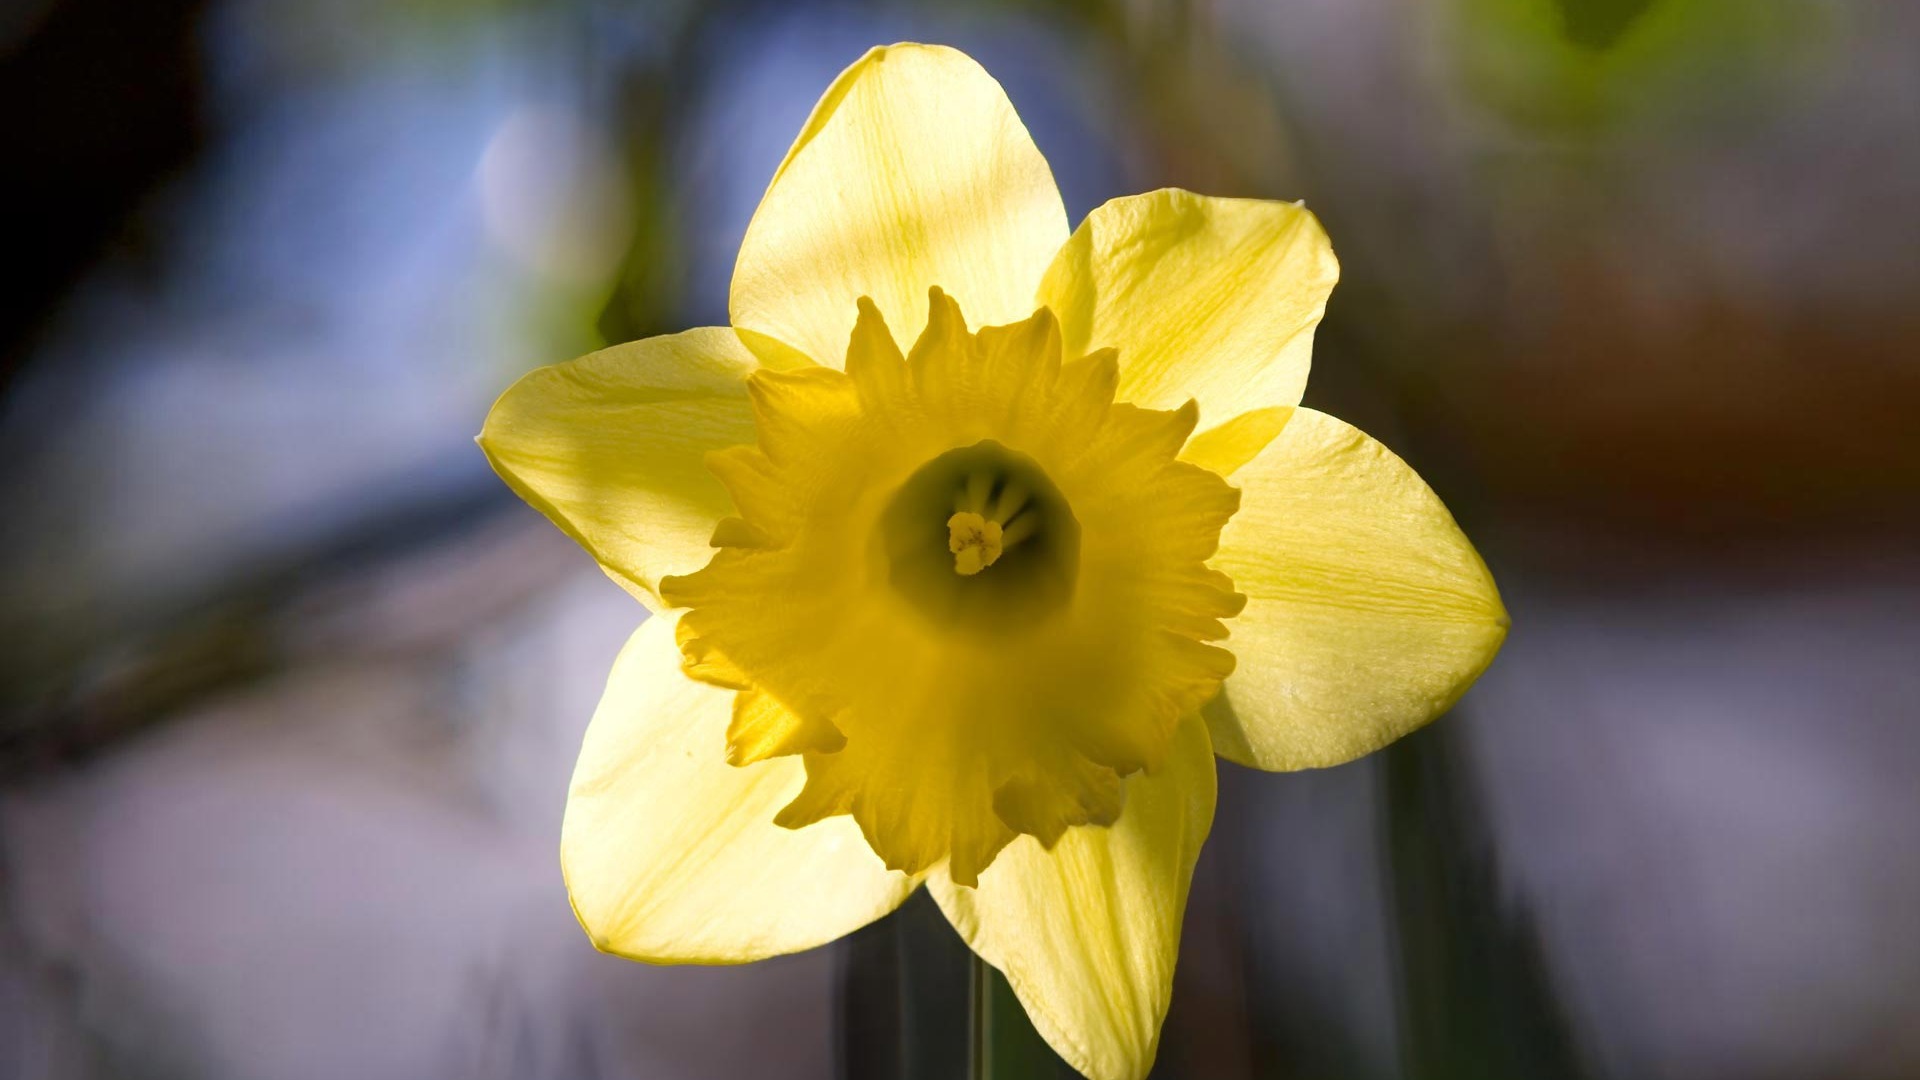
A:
(1599, 64)
(1597, 24)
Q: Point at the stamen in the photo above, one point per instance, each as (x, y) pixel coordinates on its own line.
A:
(975, 542)
(1013, 499)
(1022, 526)
(974, 498)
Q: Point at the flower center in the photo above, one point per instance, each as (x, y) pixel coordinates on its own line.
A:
(974, 508)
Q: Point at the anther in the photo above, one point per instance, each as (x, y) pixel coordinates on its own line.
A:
(975, 542)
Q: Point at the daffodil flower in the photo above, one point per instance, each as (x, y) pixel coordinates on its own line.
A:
(946, 590)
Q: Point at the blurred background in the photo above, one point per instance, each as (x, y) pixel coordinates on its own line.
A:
(292, 685)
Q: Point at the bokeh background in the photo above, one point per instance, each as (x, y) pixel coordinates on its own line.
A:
(291, 685)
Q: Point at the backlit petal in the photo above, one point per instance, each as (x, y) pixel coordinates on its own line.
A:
(1368, 611)
(1205, 298)
(611, 448)
(671, 854)
(1088, 933)
(913, 171)
(1225, 448)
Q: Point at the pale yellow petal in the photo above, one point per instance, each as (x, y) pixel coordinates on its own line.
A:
(1368, 611)
(914, 171)
(1088, 933)
(671, 854)
(611, 447)
(1205, 298)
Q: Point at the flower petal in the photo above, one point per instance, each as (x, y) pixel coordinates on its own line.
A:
(1210, 299)
(1088, 933)
(611, 448)
(913, 171)
(671, 854)
(1368, 612)
(1225, 448)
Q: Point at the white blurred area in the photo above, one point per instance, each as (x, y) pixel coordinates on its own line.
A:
(1704, 793)
(552, 194)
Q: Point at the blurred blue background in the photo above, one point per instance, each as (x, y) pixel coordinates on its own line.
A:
(292, 685)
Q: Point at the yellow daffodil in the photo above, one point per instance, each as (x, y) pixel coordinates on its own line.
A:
(943, 579)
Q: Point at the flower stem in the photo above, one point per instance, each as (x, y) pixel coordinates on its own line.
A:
(979, 1019)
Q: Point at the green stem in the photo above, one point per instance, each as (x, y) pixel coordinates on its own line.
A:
(979, 1019)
